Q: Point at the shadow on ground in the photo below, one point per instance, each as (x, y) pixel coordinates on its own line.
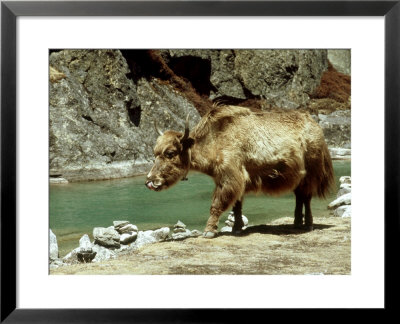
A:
(283, 229)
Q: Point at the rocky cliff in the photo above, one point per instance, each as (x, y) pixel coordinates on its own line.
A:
(103, 103)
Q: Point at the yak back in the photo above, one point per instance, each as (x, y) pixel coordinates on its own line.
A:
(269, 143)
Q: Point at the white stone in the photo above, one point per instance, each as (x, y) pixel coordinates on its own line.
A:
(179, 224)
(182, 235)
(342, 200)
(53, 246)
(148, 237)
(127, 228)
(119, 224)
(107, 237)
(84, 244)
(196, 233)
(345, 179)
(231, 218)
(56, 263)
(161, 234)
(127, 238)
(345, 186)
(229, 223)
(58, 181)
(102, 253)
(179, 230)
(226, 229)
(338, 152)
(343, 191)
(343, 211)
(71, 256)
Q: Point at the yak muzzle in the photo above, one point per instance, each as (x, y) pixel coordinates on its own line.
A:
(152, 185)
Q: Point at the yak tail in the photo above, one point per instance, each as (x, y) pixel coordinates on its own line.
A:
(326, 182)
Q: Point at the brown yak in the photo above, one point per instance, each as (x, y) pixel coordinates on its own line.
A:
(245, 150)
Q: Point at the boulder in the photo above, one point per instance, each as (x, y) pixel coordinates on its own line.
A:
(128, 237)
(345, 180)
(182, 235)
(343, 191)
(84, 244)
(179, 230)
(161, 234)
(85, 253)
(107, 237)
(342, 200)
(179, 224)
(53, 255)
(118, 224)
(127, 229)
(103, 253)
(179, 227)
(196, 233)
(343, 211)
(148, 237)
(72, 257)
(226, 229)
(231, 220)
(56, 263)
(229, 223)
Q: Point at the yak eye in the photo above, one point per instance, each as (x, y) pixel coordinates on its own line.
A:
(170, 154)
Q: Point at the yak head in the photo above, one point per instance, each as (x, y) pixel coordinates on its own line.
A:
(172, 159)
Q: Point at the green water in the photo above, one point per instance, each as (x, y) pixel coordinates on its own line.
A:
(76, 208)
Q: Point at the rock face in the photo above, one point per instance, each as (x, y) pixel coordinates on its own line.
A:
(284, 78)
(101, 122)
(337, 128)
(341, 60)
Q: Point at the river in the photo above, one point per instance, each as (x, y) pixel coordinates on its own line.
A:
(76, 208)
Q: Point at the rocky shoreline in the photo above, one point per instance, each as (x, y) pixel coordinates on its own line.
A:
(124, 238)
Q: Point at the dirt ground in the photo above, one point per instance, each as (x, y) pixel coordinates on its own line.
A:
(275, 248)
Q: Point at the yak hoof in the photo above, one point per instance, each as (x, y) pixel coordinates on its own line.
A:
(209, 235)
(236, 231)
(309, 228)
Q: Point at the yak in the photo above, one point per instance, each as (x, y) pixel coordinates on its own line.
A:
(247, 150)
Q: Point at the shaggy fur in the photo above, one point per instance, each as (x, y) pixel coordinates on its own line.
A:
(245, 150)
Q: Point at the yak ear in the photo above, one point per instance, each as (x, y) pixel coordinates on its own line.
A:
(187, 143)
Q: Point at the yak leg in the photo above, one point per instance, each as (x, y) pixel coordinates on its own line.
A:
(237, 212)
(222, 199)
(308, 219)
(298, 211)
(303, 199)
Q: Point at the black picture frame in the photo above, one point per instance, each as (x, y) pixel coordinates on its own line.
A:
(10, 10)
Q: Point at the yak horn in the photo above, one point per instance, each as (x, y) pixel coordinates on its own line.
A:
(157, 129)
(186, 134)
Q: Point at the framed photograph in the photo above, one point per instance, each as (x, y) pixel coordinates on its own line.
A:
(84, 82)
